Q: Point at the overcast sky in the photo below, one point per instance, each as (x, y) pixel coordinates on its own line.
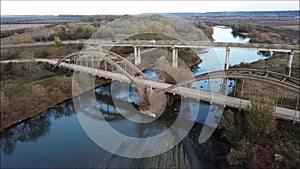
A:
(9, 7)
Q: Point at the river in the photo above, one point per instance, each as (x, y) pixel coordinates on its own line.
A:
(55, 139)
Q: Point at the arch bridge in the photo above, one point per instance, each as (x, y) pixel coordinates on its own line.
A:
(95, 61)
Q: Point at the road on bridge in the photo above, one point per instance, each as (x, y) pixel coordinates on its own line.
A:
(168, 43)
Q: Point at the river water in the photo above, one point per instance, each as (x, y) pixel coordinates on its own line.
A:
(56, 138)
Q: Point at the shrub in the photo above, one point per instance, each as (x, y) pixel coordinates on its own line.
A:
(252, 134)
(25, 41)
(260, 119)
(228, 123)
(242, 27)
(238, 156)
(45, 54)
(80, 46)
(7, 33)
(251, 155)
(57, 41)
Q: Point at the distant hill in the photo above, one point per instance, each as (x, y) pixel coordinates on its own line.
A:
(37, 18)
(24, 18)
(241, 14)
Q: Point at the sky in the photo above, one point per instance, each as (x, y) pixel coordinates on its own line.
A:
(9, 7)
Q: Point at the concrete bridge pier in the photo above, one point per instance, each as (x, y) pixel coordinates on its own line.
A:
(289, 63)
(137, 55)
(226, 67)
(175, 57)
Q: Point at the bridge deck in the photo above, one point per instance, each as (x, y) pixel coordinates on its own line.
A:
(170, 43)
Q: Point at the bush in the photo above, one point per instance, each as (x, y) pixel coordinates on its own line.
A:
(238, 156)
(209, 32)
(57, 41)
(7, 33)
(45, 54)
(253, 135)
(25, 41)
(242, 27)
(233, 131)
(80, 46)
(260, 120)
(251, 155)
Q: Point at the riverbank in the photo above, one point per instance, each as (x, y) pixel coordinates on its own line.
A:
(279, 29)
(19, 103)
(276, 63)
(247, 132)
(253, 89)
(27, 89)
(26, 94)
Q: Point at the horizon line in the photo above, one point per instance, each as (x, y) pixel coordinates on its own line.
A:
(151, 13)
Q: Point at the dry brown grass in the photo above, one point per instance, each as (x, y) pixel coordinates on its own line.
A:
(39, 51)
(29, 99)
(26, 93)
(293, 27)
(20, 26)
(255, 89)
(24, 101)
(281, 97)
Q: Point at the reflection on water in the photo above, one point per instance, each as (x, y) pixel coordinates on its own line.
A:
(57, 135)
(34, 128)
(27, 131)
(224, 34)
(237, 56)
(56, 139)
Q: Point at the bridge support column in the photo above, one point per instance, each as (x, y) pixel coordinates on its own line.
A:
(175, 57)
(105, 66)
(226, 67)
(86, 62)
(289, 63)
(92, 59)
(137, 55)
(295, 115)
(241, 99)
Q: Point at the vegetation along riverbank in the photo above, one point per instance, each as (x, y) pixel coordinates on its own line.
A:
(29, 89)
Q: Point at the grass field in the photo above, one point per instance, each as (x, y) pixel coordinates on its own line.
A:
(20, 26)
